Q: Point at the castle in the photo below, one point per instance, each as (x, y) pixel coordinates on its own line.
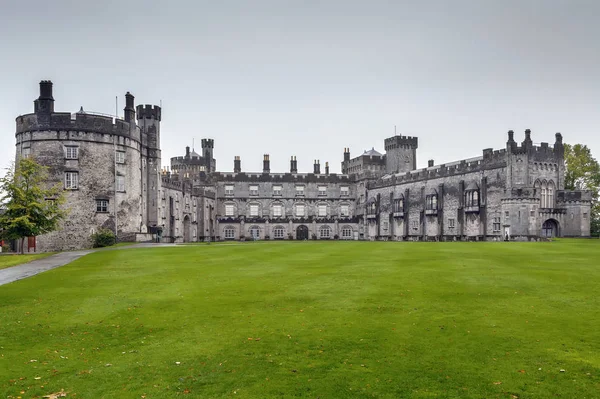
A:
(113, 177)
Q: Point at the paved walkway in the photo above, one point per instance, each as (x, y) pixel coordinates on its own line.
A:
(32, 268)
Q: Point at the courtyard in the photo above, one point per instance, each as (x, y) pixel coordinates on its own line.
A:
(311, 319)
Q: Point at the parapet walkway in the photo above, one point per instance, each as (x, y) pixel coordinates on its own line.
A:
(32, 268)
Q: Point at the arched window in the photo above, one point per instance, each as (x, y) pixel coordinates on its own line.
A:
(278, 232)
(229, 233)
(347, 233)
(544, 188)
(325, 232)
(550, 195)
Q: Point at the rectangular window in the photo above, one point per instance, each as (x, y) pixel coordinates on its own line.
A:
(496, 225)
(399, 205)
(322, 210)
(229, 210)
(229, 189)
(253, 210)
(451, 223)
(300, 210)
(344, 191)
(120, 156)
(344, 210)
(277, 210)
(385, 225)
(120, 184)
(506, 213)
(322, 191)
(299, 191)
(71, 180)
(585, 215)
(277, 191)
(415, 224)
(346, 233)
(254, 190)
(102, 206)
(25, 152)
(229, 234)
(71, 152)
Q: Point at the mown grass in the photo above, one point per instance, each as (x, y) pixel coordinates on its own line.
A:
(309, 319)
(9, 260)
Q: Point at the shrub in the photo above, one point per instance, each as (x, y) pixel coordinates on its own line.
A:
(336, 237)
(314, 236)
(290, 236)
(103, 238)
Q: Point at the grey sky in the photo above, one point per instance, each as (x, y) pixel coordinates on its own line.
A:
(308, 78)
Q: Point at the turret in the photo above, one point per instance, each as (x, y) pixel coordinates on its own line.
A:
(237, 164)
(129, 108)
(45, 103)
(207, 152)
(149, 117)
(266, 164)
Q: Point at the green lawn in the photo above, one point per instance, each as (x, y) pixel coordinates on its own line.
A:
(309, 319)
(9, 260)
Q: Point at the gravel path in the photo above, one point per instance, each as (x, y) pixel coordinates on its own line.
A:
(32, 268)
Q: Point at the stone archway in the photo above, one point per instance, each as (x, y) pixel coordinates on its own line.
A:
(187, 229)
(550, 228)
(302, 233)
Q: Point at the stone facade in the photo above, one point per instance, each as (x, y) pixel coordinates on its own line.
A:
(111, 170)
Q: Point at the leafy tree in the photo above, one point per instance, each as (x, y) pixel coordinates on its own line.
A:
(583, 173)
(31, 207)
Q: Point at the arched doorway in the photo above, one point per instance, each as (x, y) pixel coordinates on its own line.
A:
(255, 232)
(302, 233)
(550, 228)
(186, 229)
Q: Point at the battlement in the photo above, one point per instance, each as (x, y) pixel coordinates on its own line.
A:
(208, 143)
(574, 196)
(406, 142)
(65, 121)
(149, 112)
(490, 160)
(281, 177)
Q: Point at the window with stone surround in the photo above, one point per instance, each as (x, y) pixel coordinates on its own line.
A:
(324, 232)
(229, 189)
(300, 211)
(277, 191)
(254, 190)
(120, 157)
(229, 210)
(472, 199)
(101, 205)
(322, 191)
(346, 233)
(431, 202)
(344, 191)
(71, 180)
(496, 225)
(398, 205)
(229, 233)
(322, 210)
(120, 184)
(278, 232)
(299, 191)
(277, 210)
(344, 210)
(253, 210)
(71, 152)
(451, 223)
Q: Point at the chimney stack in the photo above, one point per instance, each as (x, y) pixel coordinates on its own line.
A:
(527, 142)
(346, 154)
(187, 152)
(237, 164)
(266, 164)
(327, 168)
(45, 103)
(293, 165)
(317, 167)
(129, 108)
(430, 163)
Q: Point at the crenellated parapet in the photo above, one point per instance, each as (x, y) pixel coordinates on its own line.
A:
(147, 111)
(64, 121)
(405, 142)
(574, 196)
(281, 177)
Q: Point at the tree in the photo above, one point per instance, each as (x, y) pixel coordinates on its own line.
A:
(583, 173)
(31, 207)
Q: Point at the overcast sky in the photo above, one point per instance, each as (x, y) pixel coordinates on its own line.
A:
(308, 78)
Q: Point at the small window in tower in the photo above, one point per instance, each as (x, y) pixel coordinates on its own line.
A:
(254, 190)
(120, 157)
(585, 216)
(71, 180)
(71, 152)
(120, 184)
(25, 152)
(451, 223)
(496, 225)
